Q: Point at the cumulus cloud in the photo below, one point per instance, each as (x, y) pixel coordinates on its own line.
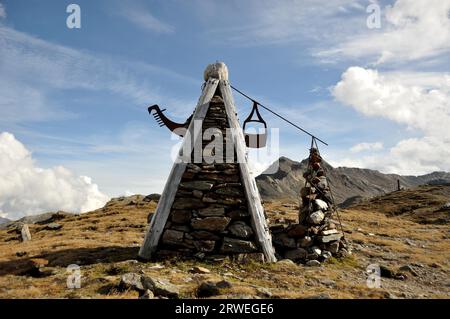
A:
(421, 101)
(26, 189)
(411, 30)
(143, 19)
(366, 147)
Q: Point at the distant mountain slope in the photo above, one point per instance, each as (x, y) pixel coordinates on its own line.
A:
(4, 220)
(345, 182)
(425, 204)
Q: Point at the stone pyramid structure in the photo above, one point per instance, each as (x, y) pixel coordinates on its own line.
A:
(210, 206)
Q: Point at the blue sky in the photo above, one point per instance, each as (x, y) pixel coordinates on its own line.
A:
(77, 98)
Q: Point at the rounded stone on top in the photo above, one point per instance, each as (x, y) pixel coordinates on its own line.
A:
(216, 70)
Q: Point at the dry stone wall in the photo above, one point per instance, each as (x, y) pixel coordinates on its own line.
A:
(209, 217)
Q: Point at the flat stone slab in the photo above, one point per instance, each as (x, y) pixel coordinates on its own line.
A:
(211, 223)
(329, 238)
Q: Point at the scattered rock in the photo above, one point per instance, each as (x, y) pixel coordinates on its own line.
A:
(263, 292)
(21, 253)
(207, 289)
(152, 197)
(53, 226)
(223, 284)
(161, 287)
(25, 233)
(313, 263)
(200, 270)
(131, 281)
(148, 294)
(410, 269)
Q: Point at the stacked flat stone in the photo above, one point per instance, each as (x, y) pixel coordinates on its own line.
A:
(209, 217)
(315, 237)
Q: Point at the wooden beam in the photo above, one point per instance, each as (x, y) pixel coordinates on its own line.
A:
(156, 227)
(259, 222)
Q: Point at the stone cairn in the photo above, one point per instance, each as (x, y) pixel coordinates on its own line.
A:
(209, 218)
(315, 238)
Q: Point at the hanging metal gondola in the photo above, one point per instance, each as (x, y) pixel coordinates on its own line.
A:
(253, 140)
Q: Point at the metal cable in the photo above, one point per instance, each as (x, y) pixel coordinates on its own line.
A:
(275, 113)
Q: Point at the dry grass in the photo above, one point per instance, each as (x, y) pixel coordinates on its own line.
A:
(105, 243)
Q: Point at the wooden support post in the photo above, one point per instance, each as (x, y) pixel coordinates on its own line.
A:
(158, 222)
(256, 210)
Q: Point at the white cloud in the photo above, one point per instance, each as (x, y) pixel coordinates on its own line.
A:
(2, 11)
(144, 19)
(421, 101)
(32, 69)
(255, 22)
(366, 147)
(411, 30)
(26, 189)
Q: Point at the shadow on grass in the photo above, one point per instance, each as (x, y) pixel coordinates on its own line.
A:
(63, 258)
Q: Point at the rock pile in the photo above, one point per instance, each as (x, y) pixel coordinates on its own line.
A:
(209, 217)
(315, 237)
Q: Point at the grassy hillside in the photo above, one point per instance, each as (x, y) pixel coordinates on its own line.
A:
(105, 243)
